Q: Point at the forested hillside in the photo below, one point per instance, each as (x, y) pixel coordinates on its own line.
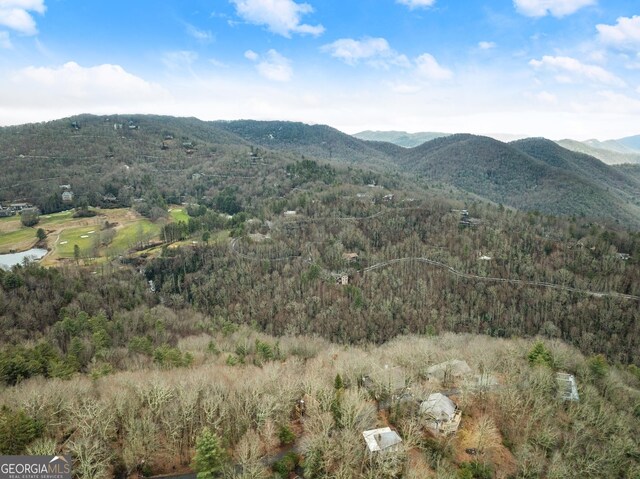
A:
(518, 176)
(294, 302)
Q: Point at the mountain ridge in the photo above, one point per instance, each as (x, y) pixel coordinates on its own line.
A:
(530, 174)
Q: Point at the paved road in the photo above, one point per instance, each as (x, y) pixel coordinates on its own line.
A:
(449, 269)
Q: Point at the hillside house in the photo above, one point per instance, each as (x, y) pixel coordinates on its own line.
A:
(67, 196)
(342, 279)
(387, 198)
(383, 440)
(449, 371)
(290, 213)
(442, 415)
(65, 187)
(350, 257)
(5, 212)
(567, 387)
(386, 384)
(18, 207)
(109, 198)
(624, 256)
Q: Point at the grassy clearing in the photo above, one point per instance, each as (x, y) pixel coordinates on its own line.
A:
(139, 231)
(65, 231)
(178, 214)
(22, 238)
(55, 219)
(84, 236)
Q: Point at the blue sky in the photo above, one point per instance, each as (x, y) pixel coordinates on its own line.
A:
(554, 68)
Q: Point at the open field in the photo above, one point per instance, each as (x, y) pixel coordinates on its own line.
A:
(177, 213)
(64, 232)
(20, 239)
(137, 232)
(85, 237)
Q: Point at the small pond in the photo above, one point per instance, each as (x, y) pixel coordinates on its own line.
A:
(7, 261)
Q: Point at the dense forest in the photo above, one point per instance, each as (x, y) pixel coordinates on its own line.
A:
(301, 279)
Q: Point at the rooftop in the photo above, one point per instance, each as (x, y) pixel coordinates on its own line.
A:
(381, 439)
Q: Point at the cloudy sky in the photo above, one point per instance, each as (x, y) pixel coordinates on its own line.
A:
(554, 68)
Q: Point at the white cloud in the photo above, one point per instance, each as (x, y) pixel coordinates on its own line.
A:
(251, 55)
(624, 34)
(428, 68)
(570, 68)
(5, 41)
(416, 3)
(274, 67)
(14, 14)
(178, 60)
(375, 51)
(557, 8)
(282, 17)
(203, 36)
(217, 63)
(72, 88)
(486, 45)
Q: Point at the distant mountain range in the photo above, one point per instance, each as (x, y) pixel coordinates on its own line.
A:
(612, 152)
(401, 138)
(530, 174)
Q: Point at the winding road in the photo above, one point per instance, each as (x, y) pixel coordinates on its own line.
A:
(434, 263)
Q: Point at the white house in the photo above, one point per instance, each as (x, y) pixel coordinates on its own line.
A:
(567, 387)
(442, 415)
(382, 440)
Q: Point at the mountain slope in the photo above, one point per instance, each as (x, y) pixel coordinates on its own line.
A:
(504, 173)
(609, 157)
(632, 142)
(588, 167)
(611, 145)
(400, 138)
(316, 141)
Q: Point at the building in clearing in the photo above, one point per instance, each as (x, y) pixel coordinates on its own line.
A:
(350, 257)
(382, 440)
(67, 196)
(449, 371)
(567, 387)
(442, 415)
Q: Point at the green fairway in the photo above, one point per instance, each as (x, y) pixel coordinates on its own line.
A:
(55, 219)
(17, 239)
(178, 214)
(141, 231)
(85, 237)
